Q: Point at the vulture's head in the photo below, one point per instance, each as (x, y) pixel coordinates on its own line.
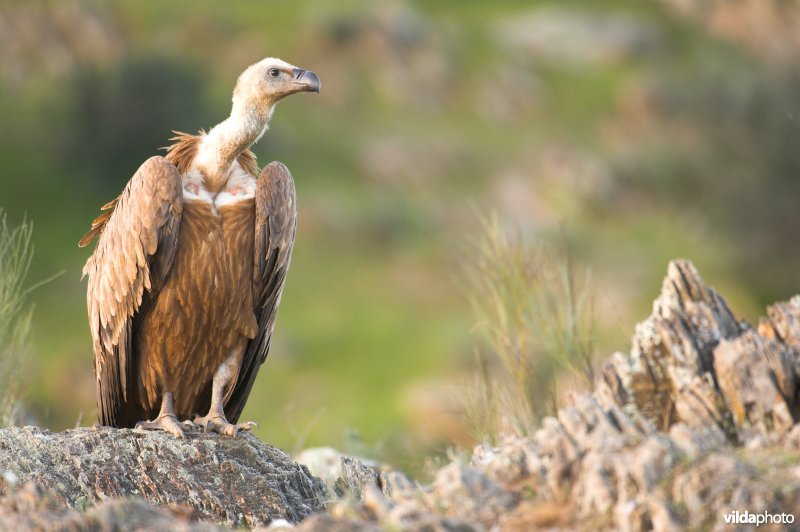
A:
(270, 80)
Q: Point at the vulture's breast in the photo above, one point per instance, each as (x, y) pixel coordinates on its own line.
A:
(204, 313)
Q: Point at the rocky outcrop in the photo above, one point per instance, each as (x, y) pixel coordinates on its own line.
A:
(240, 481)
(697, 421)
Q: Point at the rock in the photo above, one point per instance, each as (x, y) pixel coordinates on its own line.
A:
(723, 482)
(322, 462)
(240, 481)
(465, 492)
(659, 442)
(757, 379)
(693, 362)
(783, 322)
(669, 375)
(356, 477)
(332, 523)
(33, 508)
(508, 464)
(699, 420)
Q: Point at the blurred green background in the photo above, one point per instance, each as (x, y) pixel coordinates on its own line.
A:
(634, 131)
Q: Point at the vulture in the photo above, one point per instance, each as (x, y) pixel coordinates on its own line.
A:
(186, 277)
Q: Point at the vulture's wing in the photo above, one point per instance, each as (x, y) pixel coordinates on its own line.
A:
(133, 256)
(276, 221)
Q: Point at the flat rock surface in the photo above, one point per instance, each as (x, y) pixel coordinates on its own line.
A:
(240, 481)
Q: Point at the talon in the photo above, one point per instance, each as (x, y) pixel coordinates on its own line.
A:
(217, 423)
(166, 423)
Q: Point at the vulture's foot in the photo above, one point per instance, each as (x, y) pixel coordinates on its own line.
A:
(220, 425)
(167, 423)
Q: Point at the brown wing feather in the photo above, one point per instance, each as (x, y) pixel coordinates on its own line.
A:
(247, 160)
(110, 205)
(181, 153)
(276, 222)
(183, 149)
(132, 258)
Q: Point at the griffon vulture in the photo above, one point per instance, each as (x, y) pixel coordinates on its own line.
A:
(185, 280)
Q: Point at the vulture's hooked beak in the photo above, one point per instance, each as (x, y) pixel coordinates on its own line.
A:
(307, 80)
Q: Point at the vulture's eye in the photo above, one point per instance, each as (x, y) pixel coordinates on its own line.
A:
(274, 72)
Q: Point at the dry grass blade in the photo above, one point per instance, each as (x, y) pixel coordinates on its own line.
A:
(16, 253)
(534, 321)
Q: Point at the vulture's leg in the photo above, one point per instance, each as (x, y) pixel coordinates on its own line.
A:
(215, 420)
(166, 420)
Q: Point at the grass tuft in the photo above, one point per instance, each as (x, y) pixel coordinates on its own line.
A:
(535, 325)
(16, 253)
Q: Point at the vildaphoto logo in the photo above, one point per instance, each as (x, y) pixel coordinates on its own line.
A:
(763, 518)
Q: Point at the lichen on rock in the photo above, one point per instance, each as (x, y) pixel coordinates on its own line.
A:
(240, 481)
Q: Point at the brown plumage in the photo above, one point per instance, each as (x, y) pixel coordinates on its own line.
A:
(181, 153)
(186, 278)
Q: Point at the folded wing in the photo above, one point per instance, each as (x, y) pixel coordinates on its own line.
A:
(276, 222)
(138, 236)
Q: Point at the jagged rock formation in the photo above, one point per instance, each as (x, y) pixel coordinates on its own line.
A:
(697, 421)
(240, 481)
